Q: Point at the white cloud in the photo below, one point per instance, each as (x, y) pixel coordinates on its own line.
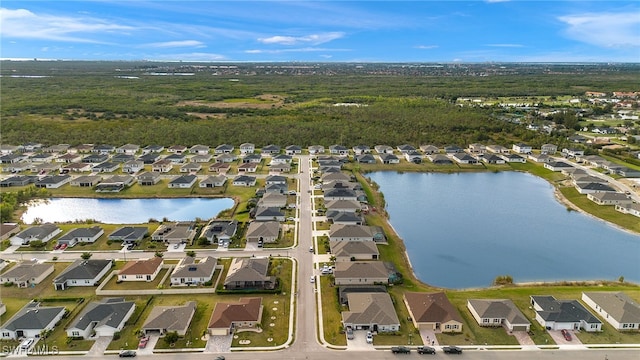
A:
(506, 45)
(280, 51)
(426, 47)
(174, 44)
(313, 39)
(608, 30)
(22, 23)
(196, 56)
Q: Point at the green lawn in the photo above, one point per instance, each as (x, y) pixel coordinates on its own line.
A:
(605, 212)
(113, 283)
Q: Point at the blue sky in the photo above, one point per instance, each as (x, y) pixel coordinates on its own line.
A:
(322, 31)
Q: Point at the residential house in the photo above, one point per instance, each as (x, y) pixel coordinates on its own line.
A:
(199, 149)
(261, 213)
(31, 321)
(513, 158)
(176, 159)
(177, 149)
(45, 168)
(129, 149)
(345, 250)
(10, 149)
(498, 312)
(150, 158)
(41, 158)
(132, 166)
(68, 158)
(201, 158)
(389, 159)
(293, 150)
(247, 148)
(82, 273)
(433, 311)
(522, 148)
(44, 233)
(464, 158)
(631, 209)
(141, 270)
(615, 307)
(497, 149)
(315, 149)
(8, 229)
(338, 150)
(406, 149)
(276, 179)
(275, 188)
(252, 158)
(365, 159)
(129, 234)
(115, 183)
(82, 148)
(95, 158)
(572, 152)
(281, 159)
(270, 150)
(248, 167)
(78, 167)
(152, 149)
(148, 178)
(213, 181)
(429, 149)
(175, 233)
(227, 317)
(122, 158)
(101, 318)
(345, 218)
(18, 180)
(220, 231)
(593, 187)
(226, 158)
(343, 206)
(361, 273)
(549, 149)
(492, 159)
(609, 198)
(383, 149)
(53, 181)
(477, 148)
(83, 235)
(452, 149)
(627, 172)
(273, 200)
(103, 149)
(166, 319)
(189, 272)
(27, 273)
(440, 159)
(340, 194)
(361, 150)
(564, 314)
(413, 157)
(340, 232)
(279, 168)
(244, 180)
(371, 311)
(540, 158)
(557, 165)
(263, 232)
(162, 166)
(249, 273)
(224, 149)
(183, 182)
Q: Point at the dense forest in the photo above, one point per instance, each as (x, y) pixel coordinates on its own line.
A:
(118, 103)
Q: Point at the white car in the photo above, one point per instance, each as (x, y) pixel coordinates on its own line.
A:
(26, 344)
(369, 337)
(312, 279)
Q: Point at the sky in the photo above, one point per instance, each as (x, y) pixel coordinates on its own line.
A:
(322, 31)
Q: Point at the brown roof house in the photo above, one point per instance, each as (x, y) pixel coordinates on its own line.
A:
(27, 273)
(371, 311)
(433, 311)
(141, 270)
(229, 317)
(164, 319)
(249, 273)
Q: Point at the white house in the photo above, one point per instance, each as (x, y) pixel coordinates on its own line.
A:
(564, 314)
(44, 233)
(498, 312)
(102, 318)
(615, 307)
(83, 235)
(521, 148)
(82, 273)
(30, 321)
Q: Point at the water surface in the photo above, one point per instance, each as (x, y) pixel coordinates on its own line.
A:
(462, 230)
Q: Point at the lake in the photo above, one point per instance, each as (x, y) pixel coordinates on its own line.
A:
(125, 211)
(462, 230)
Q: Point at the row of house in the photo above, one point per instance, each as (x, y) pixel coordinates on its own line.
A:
(48, 231)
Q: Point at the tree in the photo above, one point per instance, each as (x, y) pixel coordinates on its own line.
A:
(159, 254)
(86, 255)
(36, 244)
(191, 253)
(171, 337)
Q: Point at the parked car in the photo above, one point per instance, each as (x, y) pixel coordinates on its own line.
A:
(64, 246)
(57, 246)
(312, 279)
(566, 334)
(369, 337)
(219, 357)
(127, 353)
(26, 344)
(350, 334)
(143, 342)
(400, 350)
(426, 350)
(452, 350)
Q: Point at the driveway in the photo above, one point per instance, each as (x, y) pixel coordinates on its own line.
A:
(100, 346)
(523, 338)
(560, 340)
(429, 337)
(148, 350)
(219, 344)
(359, 342)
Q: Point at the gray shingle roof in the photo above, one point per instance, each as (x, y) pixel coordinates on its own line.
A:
(618, 305)
(189, 268)
(33, 317)
(170, 318)
(110, 312)
(563, 310)
(498, 308)
(83, 269)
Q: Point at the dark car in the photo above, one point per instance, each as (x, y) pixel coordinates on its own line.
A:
(452, 350)
(219, 357)
(400, 350)
(566, 334)
(127, 353)
(426, 350)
